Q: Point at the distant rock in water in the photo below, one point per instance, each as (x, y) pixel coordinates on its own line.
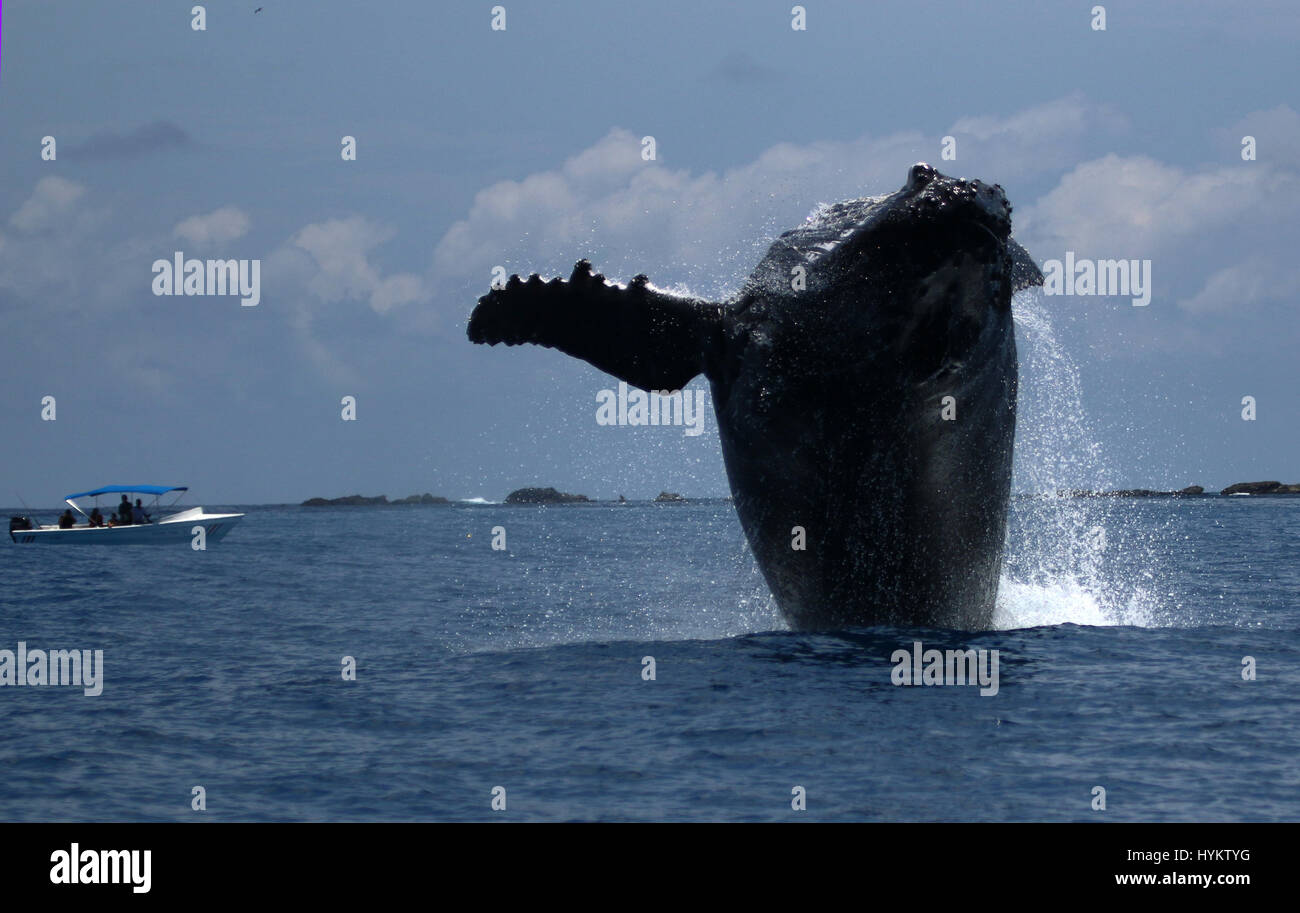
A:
(669, 496)
(1240, 488)
(543, 496)
(1131, 493)
(377, 501)
(1261, 488)
(345, 501)
(425, 498)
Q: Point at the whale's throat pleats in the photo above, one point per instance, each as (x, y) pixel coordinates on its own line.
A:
(650, 338)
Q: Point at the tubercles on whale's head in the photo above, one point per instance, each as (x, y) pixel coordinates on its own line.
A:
(919, 175)
(937, 197)
(936, 222)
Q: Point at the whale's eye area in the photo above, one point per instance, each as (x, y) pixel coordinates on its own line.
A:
(921, 174)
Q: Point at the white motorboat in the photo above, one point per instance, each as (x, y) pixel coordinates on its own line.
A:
(183, 526)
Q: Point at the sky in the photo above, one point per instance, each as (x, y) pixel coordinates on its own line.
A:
(521, 148)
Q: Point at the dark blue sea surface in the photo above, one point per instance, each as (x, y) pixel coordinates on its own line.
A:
(1122, 626)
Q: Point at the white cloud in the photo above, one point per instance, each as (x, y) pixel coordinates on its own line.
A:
(652, 218)
(342, 271)
(51, 201)
(709, 229)
(1037, 140)
(1140, 207)
(397, 290)
(221, 225)
(1219, 236)
(53, 254)
(1243, 286)
(1276, 132)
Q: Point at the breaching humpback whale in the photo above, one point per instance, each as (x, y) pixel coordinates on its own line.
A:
(864, 379)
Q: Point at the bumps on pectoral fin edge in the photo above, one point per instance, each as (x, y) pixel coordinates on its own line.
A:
(582, 274)
(514, 313)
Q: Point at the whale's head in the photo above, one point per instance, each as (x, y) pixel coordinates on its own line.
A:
(923, 276)
(937, 237)
(926, 275)
(948, 231)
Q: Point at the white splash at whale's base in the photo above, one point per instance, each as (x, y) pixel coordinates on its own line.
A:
(1033, 605)
(1058, 570)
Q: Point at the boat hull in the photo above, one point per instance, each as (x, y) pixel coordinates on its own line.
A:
(179, 528)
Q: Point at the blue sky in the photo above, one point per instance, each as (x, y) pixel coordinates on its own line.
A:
(521, 148)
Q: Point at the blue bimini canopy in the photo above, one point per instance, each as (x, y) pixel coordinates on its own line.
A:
(129, 489)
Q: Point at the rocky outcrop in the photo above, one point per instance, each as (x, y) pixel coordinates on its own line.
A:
(1261, 488)
(425, 498)
(377, 501)
(346, 501)
(1239, 488)
(1190, 490)
(543, 496)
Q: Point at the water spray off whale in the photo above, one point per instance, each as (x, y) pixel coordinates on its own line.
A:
(864, 379)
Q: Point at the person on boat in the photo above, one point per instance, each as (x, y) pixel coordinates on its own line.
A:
(67, 521)
(124, 512)
(137, 513)
(96, 518)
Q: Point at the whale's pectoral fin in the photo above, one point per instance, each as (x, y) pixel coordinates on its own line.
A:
(1024, 271)
(648, 337)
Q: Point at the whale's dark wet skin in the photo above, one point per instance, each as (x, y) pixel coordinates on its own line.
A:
(830, 372)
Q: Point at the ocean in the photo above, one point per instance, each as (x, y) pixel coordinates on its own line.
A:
(1122, 626)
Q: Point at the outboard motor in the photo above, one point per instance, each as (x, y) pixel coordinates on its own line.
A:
(19, 524)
